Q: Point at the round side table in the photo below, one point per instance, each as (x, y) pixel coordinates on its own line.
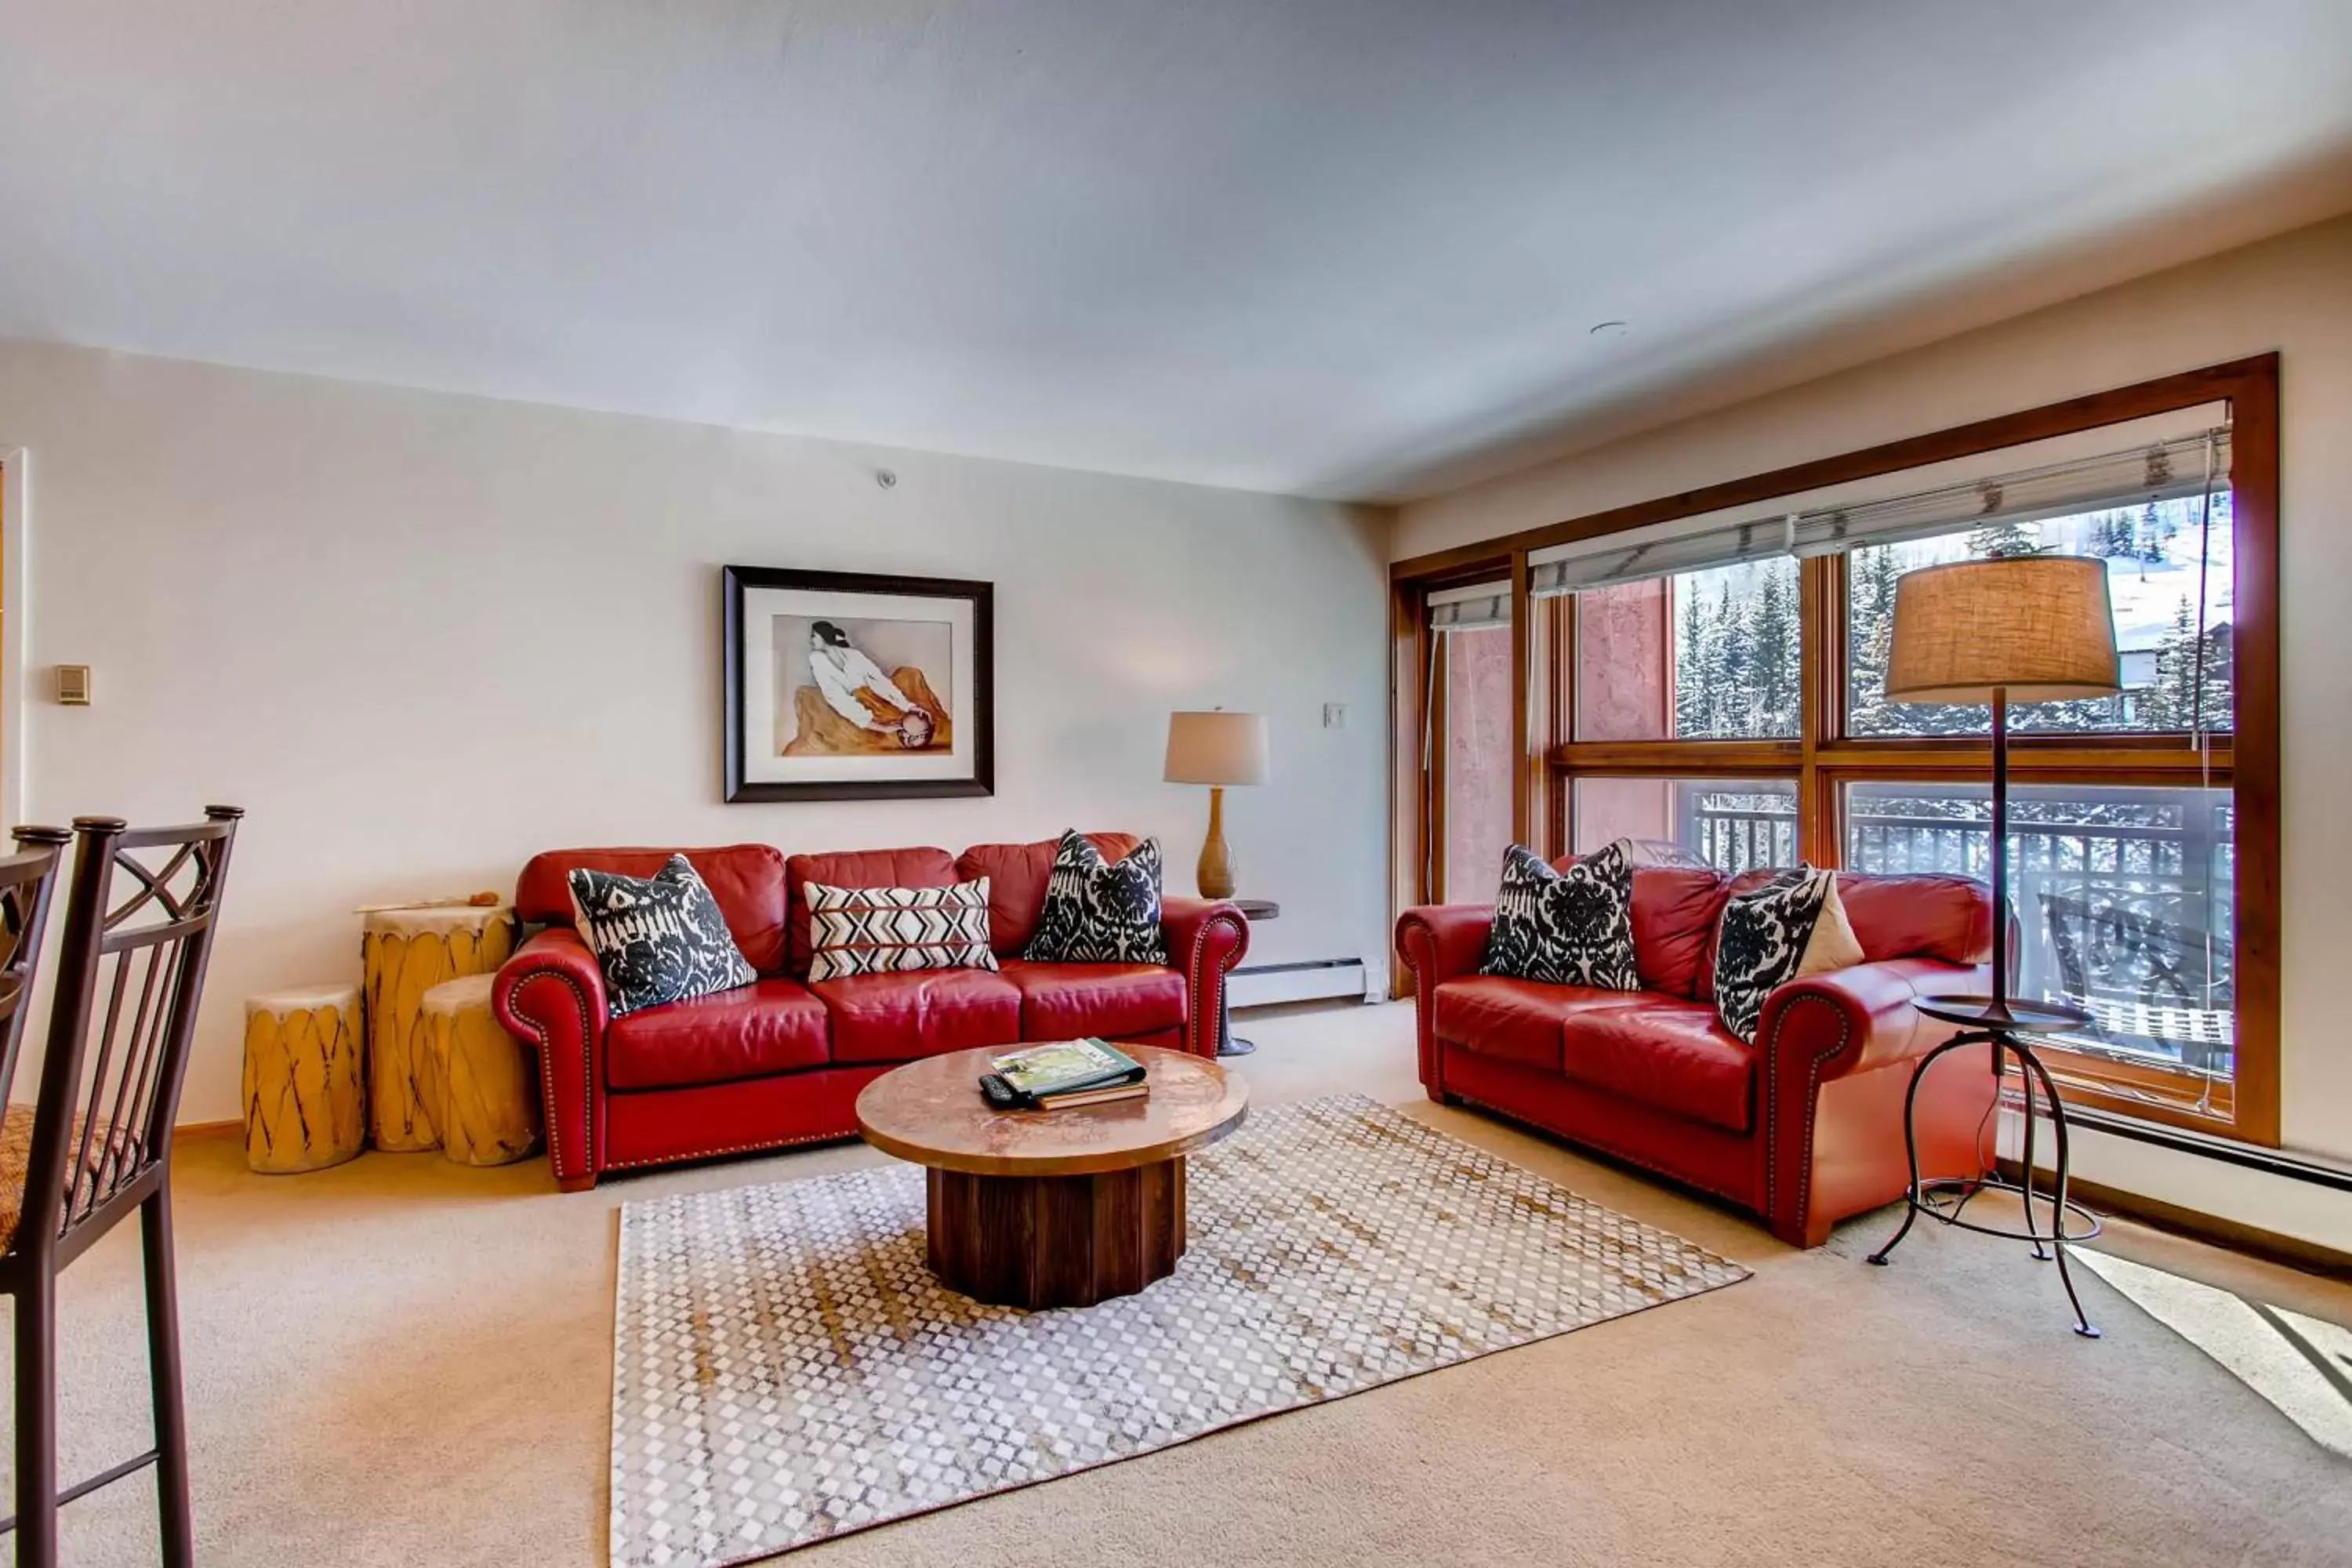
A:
(1229, 1045)
(2007, 1023)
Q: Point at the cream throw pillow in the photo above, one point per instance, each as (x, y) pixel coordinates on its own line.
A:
(1833, 944)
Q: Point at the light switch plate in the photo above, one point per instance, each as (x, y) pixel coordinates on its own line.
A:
(1335, 715)
(73, 685)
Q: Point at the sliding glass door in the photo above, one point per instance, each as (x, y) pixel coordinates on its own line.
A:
(1470, 743)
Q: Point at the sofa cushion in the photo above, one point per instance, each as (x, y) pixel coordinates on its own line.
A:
(748, 880)
(1675, 911)
(1116, 1001)
(1100, 910)
(1518, 1020)
(1017, 875)
(1671, 1054)
(1919, 915)
(1772, 935)
(1904, 914)
(918, 867)
(889, 931)
(770, 1027)
(1567, 926)
(658, 939)
(898, 1017)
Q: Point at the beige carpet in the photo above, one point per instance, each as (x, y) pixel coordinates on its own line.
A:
(403, 1362)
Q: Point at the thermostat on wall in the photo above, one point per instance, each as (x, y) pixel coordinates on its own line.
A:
(73, 685)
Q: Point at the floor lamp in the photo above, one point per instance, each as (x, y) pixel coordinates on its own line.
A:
(2028, 628)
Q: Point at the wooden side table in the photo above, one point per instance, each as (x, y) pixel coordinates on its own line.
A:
(305, 1079)
(406, 953)
(1229, 1045)
(482, 1085)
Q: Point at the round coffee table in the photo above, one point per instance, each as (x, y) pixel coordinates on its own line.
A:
(1051, 1208)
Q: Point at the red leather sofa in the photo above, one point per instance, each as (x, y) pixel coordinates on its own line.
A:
(781, 1061)
(1804, 1127)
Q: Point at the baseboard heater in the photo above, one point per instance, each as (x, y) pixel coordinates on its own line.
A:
(1310, 980)
(2270, 1161)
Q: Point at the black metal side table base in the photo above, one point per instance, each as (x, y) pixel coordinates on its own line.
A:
(1999, 1024)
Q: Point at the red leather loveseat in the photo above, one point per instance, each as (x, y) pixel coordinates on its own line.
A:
(1804, 1127)
(781, 1061)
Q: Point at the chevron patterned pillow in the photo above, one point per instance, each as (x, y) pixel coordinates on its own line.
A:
(890, 930)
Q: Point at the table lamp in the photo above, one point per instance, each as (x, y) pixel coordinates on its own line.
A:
(1216, 749)
(2037, 628)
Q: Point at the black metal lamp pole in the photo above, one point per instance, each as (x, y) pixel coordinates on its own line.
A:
(2000, 1021)
(2000, 848)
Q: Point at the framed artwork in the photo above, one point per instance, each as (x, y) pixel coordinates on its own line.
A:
(847, 686)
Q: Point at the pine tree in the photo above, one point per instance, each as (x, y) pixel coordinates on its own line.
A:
(1690, 660)
(1869, 628)
(1737, 641)
(1774, 635)
(2172, 702)
(1996, 541)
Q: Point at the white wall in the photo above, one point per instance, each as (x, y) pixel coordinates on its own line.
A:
(420, 637)
(2293, 294)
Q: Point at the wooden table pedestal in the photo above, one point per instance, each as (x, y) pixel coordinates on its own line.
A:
(1055, 1241)
(1051, 1208)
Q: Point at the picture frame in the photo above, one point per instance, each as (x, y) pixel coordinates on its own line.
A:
(856, 686)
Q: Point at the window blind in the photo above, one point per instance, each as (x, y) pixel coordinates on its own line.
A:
(2165, 471)
(1467, 609)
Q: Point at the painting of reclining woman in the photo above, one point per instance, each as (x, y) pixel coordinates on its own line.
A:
(844, 685)
(864, 687)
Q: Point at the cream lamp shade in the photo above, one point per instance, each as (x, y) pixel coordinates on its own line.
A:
(2037, 627)
(1216, 748)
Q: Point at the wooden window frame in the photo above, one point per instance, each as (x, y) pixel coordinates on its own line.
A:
(1824, 759)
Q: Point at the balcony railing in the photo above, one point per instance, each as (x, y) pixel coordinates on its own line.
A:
(2129, 919)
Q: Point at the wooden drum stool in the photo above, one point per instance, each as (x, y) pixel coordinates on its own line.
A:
(407, 953)
(305, 1079)
(483, 1084)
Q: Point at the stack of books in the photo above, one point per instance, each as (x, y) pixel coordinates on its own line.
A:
(1065, 1073)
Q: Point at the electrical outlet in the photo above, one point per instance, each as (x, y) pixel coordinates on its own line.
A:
(1335, 715)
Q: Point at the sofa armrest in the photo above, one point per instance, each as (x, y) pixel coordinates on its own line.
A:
(551, 994)
(1852, 1020)
(1206, 938)
(1444, 942)
(1438, 942)
(1856, 1024)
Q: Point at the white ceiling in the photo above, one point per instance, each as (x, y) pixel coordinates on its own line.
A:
(1347, 247)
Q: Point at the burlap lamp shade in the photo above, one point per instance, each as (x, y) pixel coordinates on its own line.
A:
(2038, 625)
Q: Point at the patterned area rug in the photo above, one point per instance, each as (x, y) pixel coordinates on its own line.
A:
(785, 1370)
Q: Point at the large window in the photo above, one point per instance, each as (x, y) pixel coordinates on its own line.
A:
(2169, 576)
(1706, 675)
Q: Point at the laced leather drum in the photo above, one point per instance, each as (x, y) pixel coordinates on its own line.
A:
(406, 953)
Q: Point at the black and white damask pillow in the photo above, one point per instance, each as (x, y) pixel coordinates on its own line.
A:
(658, 939)
(1792, 926)
(894, 930)
(1100, 912)
(1566, 928)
